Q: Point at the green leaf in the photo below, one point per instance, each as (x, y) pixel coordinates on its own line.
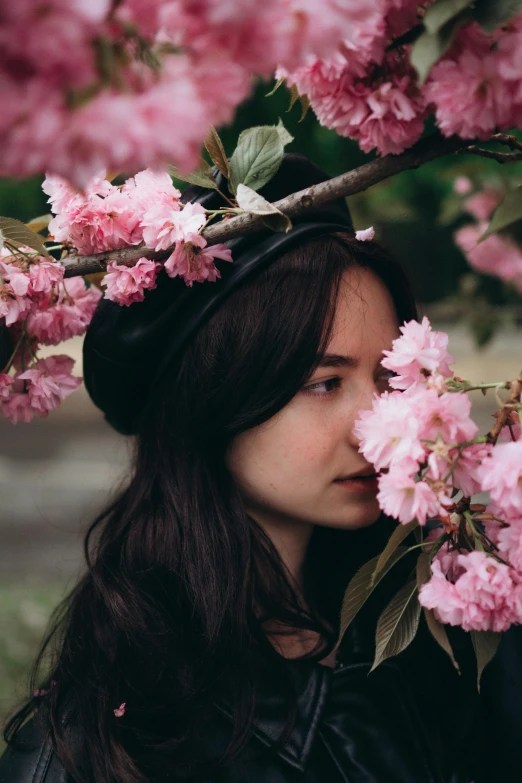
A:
(442, 12)
(305, 105)
(492, 13)
(485, 644)
(436, 628)
(438, 632)
(294, 96)
(217, 152)
(18, 234)
(257, 157)
(202, 176)
(397, 624)
(397, 537)
(430, 46)
(254, 203)
(285, 137)
(361, 587)
(39, 223)
(276, 86)
(508, 211)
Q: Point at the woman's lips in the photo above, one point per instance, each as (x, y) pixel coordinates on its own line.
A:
(359, 483)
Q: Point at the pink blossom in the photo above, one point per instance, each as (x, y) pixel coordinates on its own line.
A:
(441, 595)
(466, 476)
(148, 188)
(405, 499)
(44, 275)
(365, 234)
(196, 264)
(462, 185)
(387, 115)
(388, 432)
(53, 322)
(501, 474)
(18, 280)
(483, 204)
(127, 284)
(446, 415)
(164, 225)
(471, 97)
(417, 352)
(119, 712)
(509, 542)
(481, 599)
(497, 255)
(12, 307)
(49, 383)
(5, 386)
(19, 408)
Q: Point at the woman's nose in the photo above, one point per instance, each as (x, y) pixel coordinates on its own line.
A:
(365, 400)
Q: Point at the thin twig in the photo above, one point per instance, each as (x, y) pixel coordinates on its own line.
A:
(509, 140)
(503, 415)
(500, 157)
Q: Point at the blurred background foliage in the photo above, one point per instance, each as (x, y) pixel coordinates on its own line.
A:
(415, 215)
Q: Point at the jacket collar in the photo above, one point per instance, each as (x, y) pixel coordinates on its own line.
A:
(312, 684)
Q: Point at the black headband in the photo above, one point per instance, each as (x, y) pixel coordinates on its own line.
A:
(127, 348)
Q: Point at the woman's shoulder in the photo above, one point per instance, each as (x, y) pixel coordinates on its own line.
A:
(30, 757)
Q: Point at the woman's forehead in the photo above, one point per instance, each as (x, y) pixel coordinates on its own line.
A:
(365, 317)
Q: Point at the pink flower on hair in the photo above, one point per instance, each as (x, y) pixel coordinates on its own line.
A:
(365, 234)
(127, 284)
(196, 264)
(419, 351)
(501, 474)
(119, 712)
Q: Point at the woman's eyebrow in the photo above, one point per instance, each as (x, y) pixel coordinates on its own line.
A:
(337, 360)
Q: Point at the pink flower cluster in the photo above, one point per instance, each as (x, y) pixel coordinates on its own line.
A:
(424, 443)
(475, 88)
(38, 307)
(498, 255)
(129, 85)
(368, 92)
(146, 208)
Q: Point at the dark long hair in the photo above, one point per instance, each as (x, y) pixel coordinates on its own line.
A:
(169, 616)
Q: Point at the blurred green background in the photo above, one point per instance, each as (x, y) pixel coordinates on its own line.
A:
(55, 474)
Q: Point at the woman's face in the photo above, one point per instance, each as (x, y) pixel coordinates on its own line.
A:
(289, 468)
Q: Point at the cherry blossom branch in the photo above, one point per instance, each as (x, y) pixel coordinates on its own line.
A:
(347, 184)
(511, 403)
(500, 157)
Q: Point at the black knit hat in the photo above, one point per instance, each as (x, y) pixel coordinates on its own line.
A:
(126, 348)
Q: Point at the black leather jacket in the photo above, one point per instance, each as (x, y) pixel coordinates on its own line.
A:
(412, 720)
(404, 723)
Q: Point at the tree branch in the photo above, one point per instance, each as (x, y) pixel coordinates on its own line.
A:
(347, 184)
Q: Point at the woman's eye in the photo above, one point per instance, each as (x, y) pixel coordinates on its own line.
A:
(323, 387)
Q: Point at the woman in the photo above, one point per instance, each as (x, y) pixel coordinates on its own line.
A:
(200, 643)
